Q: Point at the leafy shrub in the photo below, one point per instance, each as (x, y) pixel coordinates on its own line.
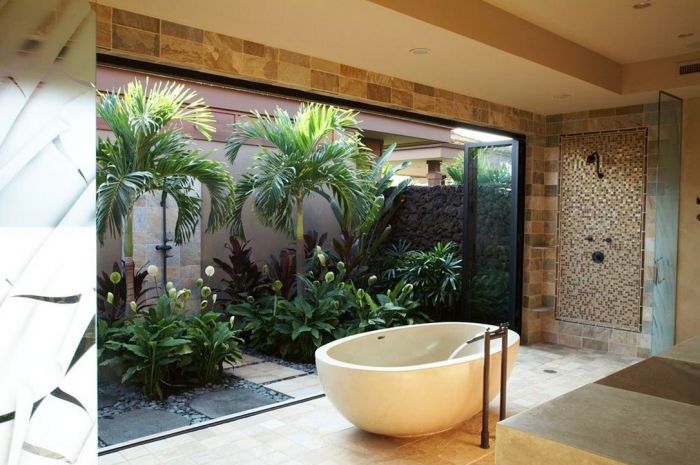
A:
(394, 308)
(291, 328)
(165, 344)
(258, 317)
(212, 342)
(151, 345)
(434, 273)
(308, 321)
(331, 307)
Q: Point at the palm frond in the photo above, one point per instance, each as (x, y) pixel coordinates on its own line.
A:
(319, 150)
(117, 195)
(149, 151)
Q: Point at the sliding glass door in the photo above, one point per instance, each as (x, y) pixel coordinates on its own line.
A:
(492, 233)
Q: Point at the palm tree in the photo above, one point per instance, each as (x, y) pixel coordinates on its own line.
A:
(150, 153)
(318, 151)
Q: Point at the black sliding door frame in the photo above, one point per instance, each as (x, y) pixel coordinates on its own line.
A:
(515, 250)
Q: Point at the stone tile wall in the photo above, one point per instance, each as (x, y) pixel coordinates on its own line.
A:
(544, 233)
(184, 261)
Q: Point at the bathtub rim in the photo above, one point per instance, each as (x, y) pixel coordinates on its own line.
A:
(321, 354)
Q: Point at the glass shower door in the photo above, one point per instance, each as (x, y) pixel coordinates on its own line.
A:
(666, 238)
(491, 234)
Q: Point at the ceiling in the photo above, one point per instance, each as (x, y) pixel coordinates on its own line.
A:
(364, 34)
(614, 28)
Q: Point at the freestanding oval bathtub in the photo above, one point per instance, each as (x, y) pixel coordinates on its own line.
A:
(399, 381)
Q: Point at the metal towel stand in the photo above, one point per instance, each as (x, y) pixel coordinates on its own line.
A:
(500, 333)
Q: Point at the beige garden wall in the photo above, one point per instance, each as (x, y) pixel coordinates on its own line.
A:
(688, 290)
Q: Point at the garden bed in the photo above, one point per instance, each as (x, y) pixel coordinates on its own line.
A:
(125, 413)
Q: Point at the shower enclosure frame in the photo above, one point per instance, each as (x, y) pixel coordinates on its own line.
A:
(515, 229)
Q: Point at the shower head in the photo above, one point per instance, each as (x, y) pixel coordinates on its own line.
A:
(595, 158)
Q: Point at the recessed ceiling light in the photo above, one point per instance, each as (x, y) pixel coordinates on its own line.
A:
(685, 35)
(561, 96)
(641, 5)
(420, 51)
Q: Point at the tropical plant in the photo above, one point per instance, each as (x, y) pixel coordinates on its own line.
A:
(394, 308)
(455, 170)
(331, 307)
(317, 151)
(149, 153)
(308, 321)
(486, 173)
(151, 346)
(243, 277)
(434, 273)
(361, 239)
(212, 342)
(112, 311)
(256, 318)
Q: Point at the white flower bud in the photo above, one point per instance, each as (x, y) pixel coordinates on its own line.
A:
(209, 271)
(152, 271)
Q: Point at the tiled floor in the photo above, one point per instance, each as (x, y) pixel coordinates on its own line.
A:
(315, 433)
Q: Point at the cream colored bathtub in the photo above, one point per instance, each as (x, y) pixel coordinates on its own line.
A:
(398, 381)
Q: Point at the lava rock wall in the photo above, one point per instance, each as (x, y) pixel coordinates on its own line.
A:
(428, 215)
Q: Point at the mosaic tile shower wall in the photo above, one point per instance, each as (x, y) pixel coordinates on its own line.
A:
(603, 215)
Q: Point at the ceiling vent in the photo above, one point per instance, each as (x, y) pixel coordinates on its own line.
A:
(689, 68)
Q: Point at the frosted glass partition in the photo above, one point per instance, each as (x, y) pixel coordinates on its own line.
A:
(666, 239)
(47, 233)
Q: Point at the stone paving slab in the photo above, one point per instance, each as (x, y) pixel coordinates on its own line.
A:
(265, 372)
(245, 360)
(138, 423)
(303, 386)
(220, 403)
